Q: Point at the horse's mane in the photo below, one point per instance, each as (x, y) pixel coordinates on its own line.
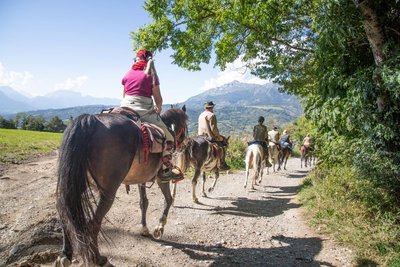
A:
(175, 115)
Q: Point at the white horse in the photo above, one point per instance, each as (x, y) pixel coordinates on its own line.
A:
(254, 159)
(273, 153)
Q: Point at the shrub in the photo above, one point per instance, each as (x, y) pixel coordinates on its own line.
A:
(236, 152)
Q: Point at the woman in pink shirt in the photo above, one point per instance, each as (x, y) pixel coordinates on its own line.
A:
(141, 92)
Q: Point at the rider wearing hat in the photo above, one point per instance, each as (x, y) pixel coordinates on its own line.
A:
(141, 92)
(208, 123)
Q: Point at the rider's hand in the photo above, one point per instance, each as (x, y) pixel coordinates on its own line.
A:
(158, 108)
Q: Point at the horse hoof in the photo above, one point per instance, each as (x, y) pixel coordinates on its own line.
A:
(103, 262)
(158, 232)
(145, 231)
(62, 262)
(210, 189)
(204, 195)
(195, 200)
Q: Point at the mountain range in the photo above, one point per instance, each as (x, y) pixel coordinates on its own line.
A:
(238, 105)
(11, 101)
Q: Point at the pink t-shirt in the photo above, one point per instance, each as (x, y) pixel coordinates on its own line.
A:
(137, 83)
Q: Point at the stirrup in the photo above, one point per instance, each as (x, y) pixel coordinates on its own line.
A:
(168, 175)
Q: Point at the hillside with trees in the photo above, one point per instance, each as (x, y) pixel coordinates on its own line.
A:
(238, 105)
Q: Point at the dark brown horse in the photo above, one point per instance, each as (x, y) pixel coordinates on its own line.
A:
(102, 152)
(284, 154)
(203, 156)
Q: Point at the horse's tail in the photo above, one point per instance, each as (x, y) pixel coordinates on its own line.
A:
(249, 155)
(74, 197)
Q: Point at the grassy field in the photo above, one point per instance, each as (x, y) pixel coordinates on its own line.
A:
(17, 145)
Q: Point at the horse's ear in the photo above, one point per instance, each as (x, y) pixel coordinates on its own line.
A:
(184, 108)
(228, 138)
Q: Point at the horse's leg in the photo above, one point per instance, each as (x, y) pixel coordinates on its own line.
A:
(144, 203)
(194, 184)
(248, 160)
(285, 159)
(66, 258)
(105, 202)
(261, 171)
(203, 184)
(165, 189)
(173, 192)
(246, 177)
(256, 166)
(279, 162)
(215, 180)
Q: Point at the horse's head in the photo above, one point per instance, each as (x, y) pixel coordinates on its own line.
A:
(176, 119)
(224, 144)
(225, 141)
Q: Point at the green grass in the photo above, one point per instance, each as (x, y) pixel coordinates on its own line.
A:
(18, 145)
(356, 212)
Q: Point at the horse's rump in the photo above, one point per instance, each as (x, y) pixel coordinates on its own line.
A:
(254, 155)
(199, 150)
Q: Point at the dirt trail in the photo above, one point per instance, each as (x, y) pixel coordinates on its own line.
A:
(233, 226)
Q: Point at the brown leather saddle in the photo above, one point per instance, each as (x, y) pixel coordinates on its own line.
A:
(153, 136)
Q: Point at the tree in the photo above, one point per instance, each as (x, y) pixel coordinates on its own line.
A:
(33, 123)
(55, 125)
(341, 57)
(7, 124)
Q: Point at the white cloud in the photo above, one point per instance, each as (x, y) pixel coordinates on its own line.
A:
(235, 71)
(71, 83)
(14, 79)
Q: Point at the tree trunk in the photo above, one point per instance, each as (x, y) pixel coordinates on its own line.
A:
(377, 40)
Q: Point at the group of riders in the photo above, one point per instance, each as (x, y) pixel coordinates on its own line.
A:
(263, 137)
(141, 92)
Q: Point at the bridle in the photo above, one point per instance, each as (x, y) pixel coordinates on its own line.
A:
(180, 136)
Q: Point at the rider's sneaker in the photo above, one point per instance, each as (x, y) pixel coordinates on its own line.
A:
(171, 174)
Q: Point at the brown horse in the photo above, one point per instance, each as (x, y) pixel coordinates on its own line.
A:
(304, 156)
(102, 152)
(204, 156)
(284, 154)
(307, 156)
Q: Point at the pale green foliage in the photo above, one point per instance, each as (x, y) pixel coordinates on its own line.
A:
(236, 153)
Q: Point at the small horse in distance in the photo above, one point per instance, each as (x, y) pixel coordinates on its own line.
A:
(203, 156)
(255, 158)
(305, 156)
(98, 153)
(284, 154)
(273, 153)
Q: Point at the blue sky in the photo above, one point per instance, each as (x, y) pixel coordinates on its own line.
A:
(84, 46)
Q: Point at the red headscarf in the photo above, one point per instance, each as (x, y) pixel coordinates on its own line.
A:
(143, 56)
